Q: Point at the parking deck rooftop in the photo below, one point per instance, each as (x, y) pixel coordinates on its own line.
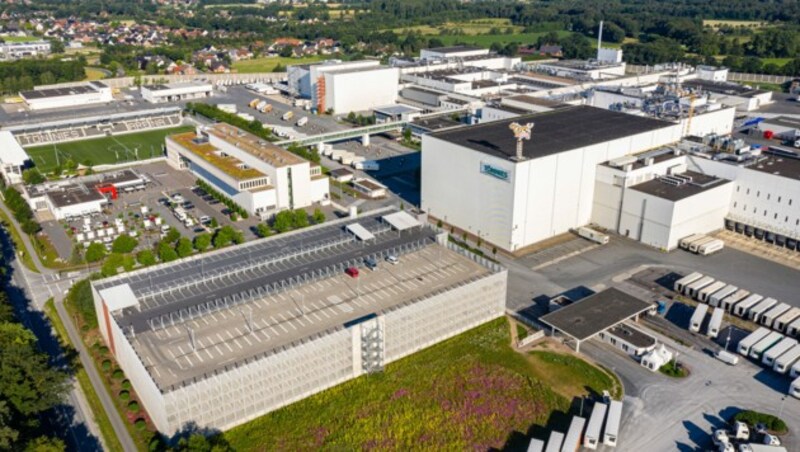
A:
(266, 323)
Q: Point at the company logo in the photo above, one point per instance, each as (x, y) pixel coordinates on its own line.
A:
(494, 171)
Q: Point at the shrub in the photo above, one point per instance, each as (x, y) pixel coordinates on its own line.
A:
(773, 423)
(124, 395)
(95, 252)
(124, 244)
(133, 407)
(118, 374)
(140, 424)
(106, 365)
(126, 384)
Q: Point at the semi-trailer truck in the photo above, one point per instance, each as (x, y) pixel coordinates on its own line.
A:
(750, 340)
(715, 323)
(680, 285)
(698, 317)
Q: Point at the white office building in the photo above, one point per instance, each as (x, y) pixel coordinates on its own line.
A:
(13, 158)
(473, 179)
(79, 95)
(17, 50)
(345, 87)
(259, 176)
(173, 92)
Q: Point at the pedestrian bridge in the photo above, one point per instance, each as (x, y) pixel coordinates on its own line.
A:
(347, 134)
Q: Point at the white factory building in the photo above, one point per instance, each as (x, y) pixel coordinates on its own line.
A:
(174, 92)
(259, 176)
(582, 69)
(444, 58)
(17, 50)
(245, 336)
(79, 95)
(13, 158)
(345, 87)
(473, 179)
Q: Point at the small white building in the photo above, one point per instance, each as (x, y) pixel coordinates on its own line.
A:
(259, 176)
(712, 73)
(628, 339)
(743, 98)
(345, 87)
(656, 358)
(78, 95)
(13, 158)
(172, 92)
(583, 69)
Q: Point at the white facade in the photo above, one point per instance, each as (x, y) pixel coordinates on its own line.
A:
(585, 70)
(43, 98)
(12, 158)
(712, 73)
(444, 53)
(173, 92)
(345, 86)
(260, 177)
(17, 50)
(656, 358)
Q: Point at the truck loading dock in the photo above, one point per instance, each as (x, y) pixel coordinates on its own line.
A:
(595, 314)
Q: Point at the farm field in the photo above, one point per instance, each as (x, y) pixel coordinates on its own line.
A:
(268, 64)
(487, 40)
(470, 392)
(106, 150)
(473, 27)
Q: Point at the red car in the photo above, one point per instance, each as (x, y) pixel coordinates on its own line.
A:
(352, 272)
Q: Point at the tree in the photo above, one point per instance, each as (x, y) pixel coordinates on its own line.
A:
(166, 253)
(262, 230)
(223, 237)
(95, 252)
(213, 224)
(286, 52)
(146, 257)
(299, 219)
(32, 176)
(283, 221)
(124, 244)
(8, 435)
(237, 237)
(46, 444)
(202, 241)
(172, 236)
(184, 247)
(319, 216)
(577, 46)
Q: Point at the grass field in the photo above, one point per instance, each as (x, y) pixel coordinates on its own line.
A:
(470, 28)
(106, 150)
(93, 73)
(470, 392)
(19, 38)
(487, 40)
(776, 61)
(268, 64)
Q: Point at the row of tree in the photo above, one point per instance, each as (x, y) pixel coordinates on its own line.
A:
(21, 210)
(25, 74)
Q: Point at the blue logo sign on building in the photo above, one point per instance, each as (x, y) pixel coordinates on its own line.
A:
(491, 170)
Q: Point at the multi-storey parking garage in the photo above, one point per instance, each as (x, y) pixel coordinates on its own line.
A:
(220, 339)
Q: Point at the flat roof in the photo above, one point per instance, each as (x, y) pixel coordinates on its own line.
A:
(596, 313)
(72, 195)
(12, 154)
(554, 131)
(226, 163)
(179, 85)
(396, 109)
(57, 92)
(437, 122)
(731, 89)
(662, 189)
(778, 166)
(454, 49)
(275, 155)
(632, 335)
(269, 320)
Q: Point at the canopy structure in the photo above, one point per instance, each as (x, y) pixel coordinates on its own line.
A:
(401, 220)
(360, 231)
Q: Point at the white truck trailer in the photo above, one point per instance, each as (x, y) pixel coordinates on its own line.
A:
(705, 293)
(711, 247)
(680, 285)
(611, 433)
(768, 318)
(693, 288)
(716, 323)
(785, 362)
(302, 121)
(741, 308)
(695, 246)
(698, 317)
(592, 437)
(574, 434)
(591, 234)
(794, 389)
(795, 372)
(793, 329)
(555, 442)
(686, 241)
(751, 340)
(769, 341)
(756, 311)
(536, 445)
(721, 294)
(782, 323)
(771, 355)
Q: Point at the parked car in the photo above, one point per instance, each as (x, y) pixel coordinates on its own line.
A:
(352, 272)
(392, 259)
(370, 263)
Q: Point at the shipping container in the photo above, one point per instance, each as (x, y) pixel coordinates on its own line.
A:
(751, 340)
(592, 437)
(555, 442)
(785, 362)
(695, 246)
(684, 242)
(768, 318)
(758, 350)
(698, 317)
(756, 311)
(680, 285)
(719, 295)
(712, 247)
(706, 292)
(741, 308)
(573, 439)
(611, 434)
(782, 322)
(716, 323)
(693, 288)
(786, 344)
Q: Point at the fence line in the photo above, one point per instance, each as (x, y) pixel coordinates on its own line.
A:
(732, 76)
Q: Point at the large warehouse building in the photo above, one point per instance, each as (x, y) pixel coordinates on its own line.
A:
(220, 339)
(13, 158)
(174, 92)
(74, 96)
(473, 179)
(345, 87)
(259, 176)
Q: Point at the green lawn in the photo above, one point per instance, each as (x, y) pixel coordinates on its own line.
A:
(470, 392)
(19, 38)
(487, 40)
(776, 61)
(570, 376)
(116, 149)
(268, 64)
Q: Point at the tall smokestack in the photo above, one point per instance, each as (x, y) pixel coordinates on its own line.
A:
(599, 39)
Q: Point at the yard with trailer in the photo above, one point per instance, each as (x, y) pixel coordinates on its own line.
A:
(473, 391)
(100, 151)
